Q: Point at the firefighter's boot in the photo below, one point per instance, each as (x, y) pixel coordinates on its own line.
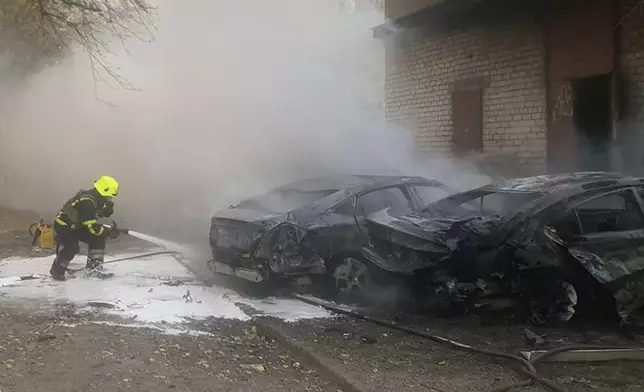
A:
(94, 264)
(57, 271)
(95, 269)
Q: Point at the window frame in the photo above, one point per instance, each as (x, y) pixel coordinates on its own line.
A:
(420, 203)
(638, 201)
(402, 187)
(353, 200)
(474, 198)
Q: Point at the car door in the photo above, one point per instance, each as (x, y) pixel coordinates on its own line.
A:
(340, 229)
(605, 233)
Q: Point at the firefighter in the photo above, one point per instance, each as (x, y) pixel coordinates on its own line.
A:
(77, 221)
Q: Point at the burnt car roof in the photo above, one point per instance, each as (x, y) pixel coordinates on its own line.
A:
(338, 189)
(555, 182)
(354, 183)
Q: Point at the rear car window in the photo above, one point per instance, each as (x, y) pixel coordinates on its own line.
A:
(429, 194)
(283, 200)
(393, 198)
(613, 212)
(481, 202)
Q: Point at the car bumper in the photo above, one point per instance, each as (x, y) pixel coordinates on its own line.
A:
(248, 274)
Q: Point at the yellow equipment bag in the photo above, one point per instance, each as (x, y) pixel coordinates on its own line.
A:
(42, 234)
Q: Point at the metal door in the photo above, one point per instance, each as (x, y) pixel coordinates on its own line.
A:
(467, 121)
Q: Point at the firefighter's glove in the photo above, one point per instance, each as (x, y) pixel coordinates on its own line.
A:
(114, 234)
(112, 231)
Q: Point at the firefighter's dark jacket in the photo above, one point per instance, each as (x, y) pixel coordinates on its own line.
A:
(83, 210)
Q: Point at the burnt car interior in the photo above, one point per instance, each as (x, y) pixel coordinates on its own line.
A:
(613, 212)
(393, 198)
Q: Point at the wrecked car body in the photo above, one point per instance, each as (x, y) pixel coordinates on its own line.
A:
(314, 227)
(557, 244)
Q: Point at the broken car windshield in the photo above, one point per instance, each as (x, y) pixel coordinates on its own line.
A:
(283, 200)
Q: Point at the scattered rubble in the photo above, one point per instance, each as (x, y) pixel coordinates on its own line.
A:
(107, 357)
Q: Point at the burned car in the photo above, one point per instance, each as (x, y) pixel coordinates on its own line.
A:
(313, 227)
(557, 244)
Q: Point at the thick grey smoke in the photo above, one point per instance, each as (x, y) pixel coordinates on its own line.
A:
(235, 97)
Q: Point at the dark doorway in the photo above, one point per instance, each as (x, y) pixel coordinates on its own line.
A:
(593, 123)
(467, 121)
(568, 58)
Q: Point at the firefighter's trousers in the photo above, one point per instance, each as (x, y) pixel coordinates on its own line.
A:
(67, 247)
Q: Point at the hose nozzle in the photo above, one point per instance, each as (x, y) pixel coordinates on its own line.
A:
(118, 229)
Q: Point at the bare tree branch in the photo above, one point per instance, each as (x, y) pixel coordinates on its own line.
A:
(51, 28)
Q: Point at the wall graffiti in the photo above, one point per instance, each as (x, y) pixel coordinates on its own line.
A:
(562, 105)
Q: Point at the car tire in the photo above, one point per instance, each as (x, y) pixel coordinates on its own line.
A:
(353, 279)
(550, 298)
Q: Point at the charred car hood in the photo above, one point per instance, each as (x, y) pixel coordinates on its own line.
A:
(436, 235)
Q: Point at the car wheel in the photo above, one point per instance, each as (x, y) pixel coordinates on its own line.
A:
(554, 302)
(352, 278)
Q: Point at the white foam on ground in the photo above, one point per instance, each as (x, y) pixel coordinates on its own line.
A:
(137, 294)
(10, 281)
(289, 310)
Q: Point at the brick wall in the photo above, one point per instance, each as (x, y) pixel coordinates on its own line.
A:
(511, 59)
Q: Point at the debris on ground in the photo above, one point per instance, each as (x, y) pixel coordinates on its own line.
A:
(188, 296)
(173, 283)
(533, 338)
(406, 363)
(108, 357)
(102, 305)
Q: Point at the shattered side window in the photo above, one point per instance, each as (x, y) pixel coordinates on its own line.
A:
(500, 203)
(613, 212)
(344, 208)
(381, 199)
(429, 194)
(480, 202)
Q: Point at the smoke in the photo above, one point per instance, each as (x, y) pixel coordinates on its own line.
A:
(235, 97)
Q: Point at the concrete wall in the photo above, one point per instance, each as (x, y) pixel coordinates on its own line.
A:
(511, 59)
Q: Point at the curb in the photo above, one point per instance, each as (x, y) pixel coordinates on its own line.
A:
(267, 327)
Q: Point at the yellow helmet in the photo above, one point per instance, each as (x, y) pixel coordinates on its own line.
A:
(107, 186)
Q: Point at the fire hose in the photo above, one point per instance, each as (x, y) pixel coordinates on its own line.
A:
(141, 256)
(527, 365)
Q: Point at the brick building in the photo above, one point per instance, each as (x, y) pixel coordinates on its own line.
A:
(557, 85)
